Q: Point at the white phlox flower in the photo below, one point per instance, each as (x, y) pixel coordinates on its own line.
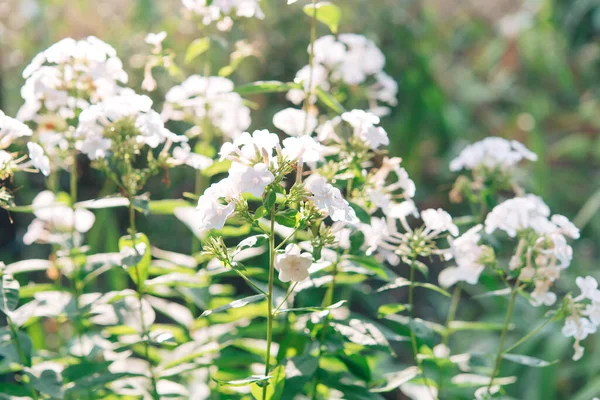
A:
(329, 199)
(351, 60)
(295, 122)
(183, 154)
(467, 253)
(38, 158)
(222, 12)
(293, 265)
(210, 99)
(70, 75)
(11, 129)
(492, 153)
(55, 221)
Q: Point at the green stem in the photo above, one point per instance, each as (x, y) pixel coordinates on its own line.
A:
(528, 336)
(22, 356)
(451, 313)
(270, 299)
(140, 293)
(411, 304)
(198, 186)
(280, 245)
(511, 305)
(311, 56)
(249, 282)
(290, 291)
(327, 301)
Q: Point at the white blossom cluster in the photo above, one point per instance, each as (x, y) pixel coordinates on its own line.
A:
(492, 153)
(94, 122)
(10, 162)
(55, 221)
(209, 99)
(349, 59)
(584, 318)
(254, 160)
(542, 254)
(223, 12)
(70, 75)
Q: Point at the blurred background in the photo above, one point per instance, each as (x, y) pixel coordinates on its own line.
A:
(466, 69)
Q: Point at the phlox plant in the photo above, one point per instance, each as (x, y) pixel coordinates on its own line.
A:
(304, 234)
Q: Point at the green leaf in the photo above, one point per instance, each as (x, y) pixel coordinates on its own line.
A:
(98, 380)
(219, 167)
(197, 48)
(244, 382)
(47, 382)
(357, 364)
(288, 218)
(313, 309)
(528, 361)
(265, 87)
(329, 101)
(456, 326)
(166, 207)
(387, 309)
(9, 291)
(138, 260)
(370, 263)
(235, 304)
(325, 12)
(274, 385)
(397, 379)
(402, 282)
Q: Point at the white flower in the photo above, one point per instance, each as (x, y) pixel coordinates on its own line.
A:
(364, 128)
(588, 287)
(565, 226)
(184, 155)
(542, 294)
(89, 66)
(252, 180)
(94, 121)
(38, 158)
(212, 213)
(492, 152)
(295, 122)
(329, 199)
(519, 213)
(223, 10)
(593, 312)
(292, 264)
(95, 146)
(11, 129)
(303, 147)
(437, 221)
(156, 39)
(467, 253)
(250, 148)
(209, 98)
(578, 328)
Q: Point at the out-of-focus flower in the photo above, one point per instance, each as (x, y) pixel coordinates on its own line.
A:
(222, 12)
(295, 122)
(38, 158)
(210, 98)
(492, 153)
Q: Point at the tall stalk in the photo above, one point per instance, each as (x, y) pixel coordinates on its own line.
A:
(311, 56)
(76, 272)
(270, 299)
(511, 305)
(451, 313)
(327, 301)
(140, 294)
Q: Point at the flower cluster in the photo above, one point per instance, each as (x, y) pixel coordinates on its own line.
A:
(350, 60)
(97, 134)
(69, 76)
(222, 12)
(583, 313)
(12, 130)
(492, 153)
(55, 221)
(208, 103)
